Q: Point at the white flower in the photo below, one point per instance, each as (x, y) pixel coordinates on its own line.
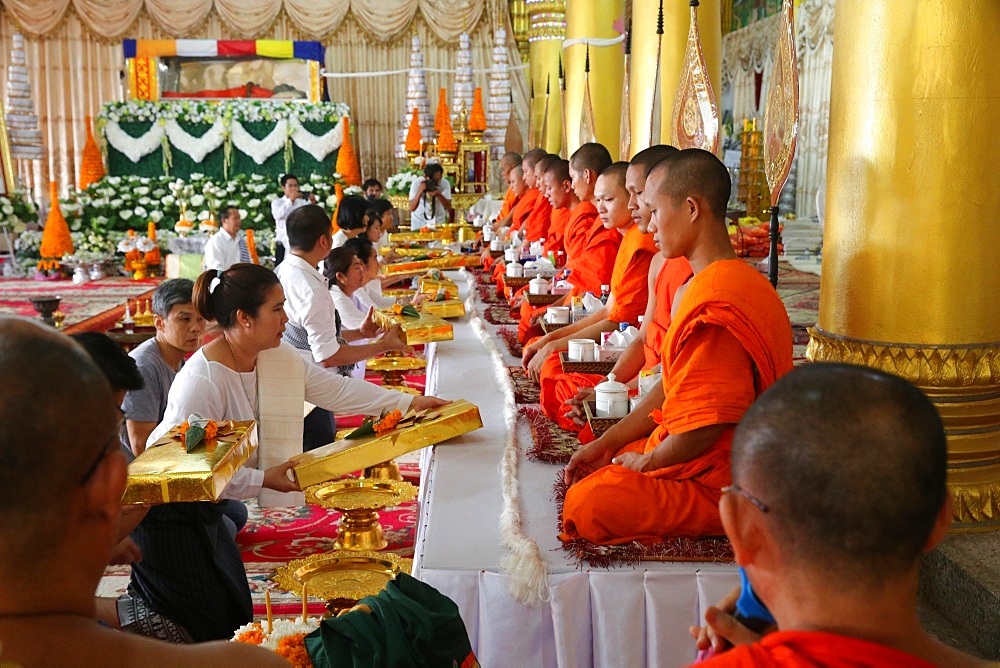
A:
(144, 200)
(7, 209)
(140, 211)
(167, 200)
(197, 200)
(114, 180)
(126, 245)
(125, 214)
(331, 201)
(258, 217)
(142, 190)
(243, 213)
(156, 216)
(115, 203)
(253, 203)
(145, 244)
(202, 215)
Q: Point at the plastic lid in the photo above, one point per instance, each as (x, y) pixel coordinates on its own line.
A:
(612, 385)
(622, 326)
(605, 288)
(641, 318)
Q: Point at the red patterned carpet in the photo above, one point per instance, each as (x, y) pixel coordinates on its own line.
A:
(91, 306)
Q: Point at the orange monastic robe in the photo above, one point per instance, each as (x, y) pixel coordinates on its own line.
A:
(509, 200)
(555, 237)
(578, 231)
(795, 649)
(674, 273)
(521, 211)
(630, 289)
(729, 341)
(538, 222)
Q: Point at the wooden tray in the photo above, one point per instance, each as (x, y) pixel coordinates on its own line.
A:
(598, 425)
(516, 282)
(542, 300)
(495, 254)
(569, 366)
(549, 327)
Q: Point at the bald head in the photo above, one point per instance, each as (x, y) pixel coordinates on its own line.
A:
(510, 160)
(56, 416)
(850, 462)
(592, 156)
(648, 157)
(693, 173)
(532, 157)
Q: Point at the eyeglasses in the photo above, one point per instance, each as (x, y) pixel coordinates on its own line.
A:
(111, 444)
(736, 489)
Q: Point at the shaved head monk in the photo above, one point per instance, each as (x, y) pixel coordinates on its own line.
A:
(508, 162)
(838, 488)
(62, 475)
(729, 340)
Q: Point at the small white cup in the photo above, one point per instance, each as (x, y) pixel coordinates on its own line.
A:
(557, 315)
(515, 269)
(582, 350)
(496, 244)
(510, 255)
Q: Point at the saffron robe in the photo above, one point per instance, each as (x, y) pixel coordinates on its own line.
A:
(521, 210)
(509, 200)
(813, 648)
(555, 237)
(730, 340)
(537, 225)
(630, 289)
(578, 231)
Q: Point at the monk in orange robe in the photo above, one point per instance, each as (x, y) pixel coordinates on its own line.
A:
(503, 219)
(542, 209)
(729, 340)
(838, 571)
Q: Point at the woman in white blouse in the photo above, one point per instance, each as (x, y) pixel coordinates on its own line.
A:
(369, 295)
(219, 382)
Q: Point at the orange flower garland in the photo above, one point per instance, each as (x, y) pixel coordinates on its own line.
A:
(387, 423)
(56, 241)
(413, 139)
(441, 115)
(153, 257)
(293, 650)
(211, 429)
(252, 248)
(254, 636)
(347, 159)
(91, 164)
(477, 118)
(446, 137)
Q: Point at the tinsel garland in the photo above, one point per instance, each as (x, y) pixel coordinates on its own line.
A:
(553, 444)
(509, 337)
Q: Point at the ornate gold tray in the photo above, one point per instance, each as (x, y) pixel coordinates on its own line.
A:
(542, 300)
(360, 493)
(398, 292)
(383, 364)
(342, 574)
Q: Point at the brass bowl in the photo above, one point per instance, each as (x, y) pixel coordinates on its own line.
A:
(342, 575)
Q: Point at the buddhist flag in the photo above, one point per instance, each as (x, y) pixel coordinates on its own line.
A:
(781, 116)
(695, 120)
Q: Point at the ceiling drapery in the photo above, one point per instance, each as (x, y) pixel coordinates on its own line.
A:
(315, 19)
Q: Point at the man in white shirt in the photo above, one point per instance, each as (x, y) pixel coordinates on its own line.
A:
(281, 208)
(430, 199)
(312, 325)
(227, 246)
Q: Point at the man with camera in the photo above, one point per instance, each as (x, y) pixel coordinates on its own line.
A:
(430, 198)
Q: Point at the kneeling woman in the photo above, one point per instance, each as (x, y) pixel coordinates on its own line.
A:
(191, 572)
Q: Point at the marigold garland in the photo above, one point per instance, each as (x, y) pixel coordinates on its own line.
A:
(92, 163)
(413, 138)
(293, 650)
(153, 257)
(387, 422)
(254, 636)
(211, 429)
(347, 159)
(441, 115)
(477, 118)
(252, 248)
(56, 241)
(446, 137)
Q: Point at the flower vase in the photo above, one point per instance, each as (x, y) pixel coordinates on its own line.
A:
(139, 270)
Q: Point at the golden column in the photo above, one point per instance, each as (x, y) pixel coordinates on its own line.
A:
(676, 20)
(594, 19)
(910, 264)
(545, 37)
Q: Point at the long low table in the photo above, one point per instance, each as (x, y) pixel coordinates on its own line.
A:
(592, 616)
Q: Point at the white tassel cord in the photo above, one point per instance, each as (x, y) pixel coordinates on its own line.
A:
(524, 567)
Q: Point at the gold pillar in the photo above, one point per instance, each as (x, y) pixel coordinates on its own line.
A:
(910, 264)
(594, 19)
(676, 21)
(548, 29)
(519, 23)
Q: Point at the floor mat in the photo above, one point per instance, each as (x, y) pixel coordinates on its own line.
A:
(552, 444)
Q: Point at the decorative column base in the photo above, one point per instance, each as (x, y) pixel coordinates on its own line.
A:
(963, 381)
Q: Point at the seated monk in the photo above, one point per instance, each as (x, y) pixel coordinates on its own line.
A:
(541, 209)
(614, 218)
(525, 205)
(838, 490)
(510, 199)
(559, 190)
(729, 340)
(62, 475)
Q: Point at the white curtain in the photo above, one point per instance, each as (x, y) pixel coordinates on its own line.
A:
(749, 51)
(75, 68)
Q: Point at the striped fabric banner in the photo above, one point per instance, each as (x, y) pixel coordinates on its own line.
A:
(210, 48)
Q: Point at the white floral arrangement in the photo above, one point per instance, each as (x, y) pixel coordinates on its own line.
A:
(353, 190)
(240, 110)
(17, 210)
(401, 182)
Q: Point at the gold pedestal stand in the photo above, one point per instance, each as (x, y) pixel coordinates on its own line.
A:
(359, 499)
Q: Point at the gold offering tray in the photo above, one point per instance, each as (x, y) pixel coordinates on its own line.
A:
(446, 262)
(423, 329)
(404, 388)
(409, 237)
(572, 366)
(542, 300)
(342, 575)
(399, 292)
(449, 308)
(360, 494)
(598, 425)
(383, 364)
